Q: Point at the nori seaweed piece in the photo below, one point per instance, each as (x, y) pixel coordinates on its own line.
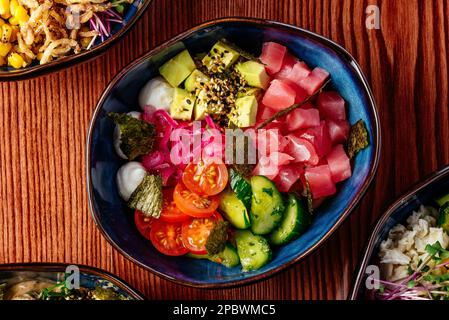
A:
(147, 198)
(137, 136)
(216, 241)
(358, 139)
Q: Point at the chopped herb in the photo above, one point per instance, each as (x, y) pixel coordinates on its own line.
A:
(358, 139)
(137, 136)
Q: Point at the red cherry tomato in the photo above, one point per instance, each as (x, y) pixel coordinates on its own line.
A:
(207, 177)
(167, 238)
(196, 232)
(194, 204)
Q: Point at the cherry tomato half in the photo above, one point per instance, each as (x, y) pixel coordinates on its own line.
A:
(193, 204)
(167, 238)
(143, 223)
(170, 212)
(207, 177)
(196, 232)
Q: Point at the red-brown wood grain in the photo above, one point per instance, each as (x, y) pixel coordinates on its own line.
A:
(43, 123)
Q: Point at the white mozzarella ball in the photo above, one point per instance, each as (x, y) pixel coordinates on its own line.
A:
(157, 93)
(129, 176)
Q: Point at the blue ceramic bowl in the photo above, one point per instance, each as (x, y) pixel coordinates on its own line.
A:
(422, 194)
(116, 221)
(89, 277)
(130, 17)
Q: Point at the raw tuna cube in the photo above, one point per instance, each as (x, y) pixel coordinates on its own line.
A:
(279, 95)
(264, 113)
(319, 137)
(320, 181)
(273, 56)
(303, 119)
(269, 166)
(331, 105)
(338, 130)
(314, 80)
(301, 150)
(301, 94)
(339, 164)
(287, 65)
(299, 72)
(288, 176)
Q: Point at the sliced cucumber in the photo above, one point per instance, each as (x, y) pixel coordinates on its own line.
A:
(234, 210)
(296, 220)
(442, 199)
(253, 250)
(267, 207)
(443, 219)
(241, 187)
(228, 257)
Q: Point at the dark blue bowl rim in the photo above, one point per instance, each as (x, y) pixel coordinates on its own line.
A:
(60, 267)
(262, 23)
(71, 60)
(370, 246)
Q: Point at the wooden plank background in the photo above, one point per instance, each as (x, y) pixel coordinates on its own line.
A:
(43, 123)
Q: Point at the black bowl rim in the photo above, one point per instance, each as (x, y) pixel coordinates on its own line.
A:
(369, 248)
(73, 59)
(263, 23)
(59, 267)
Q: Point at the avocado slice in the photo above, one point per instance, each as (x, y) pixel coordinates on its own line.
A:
(201, 105)
(177, 69)
(257, 92)
(193, 81)
(182, 106)
(220, 57)
(245, 112)
(254, 73)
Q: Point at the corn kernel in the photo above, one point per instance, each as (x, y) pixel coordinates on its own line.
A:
(39, 55)
(16, 61)
(21, 15)
(4, 9)
(6, 33)
(13, 4)
(5, 47)
(13, 21)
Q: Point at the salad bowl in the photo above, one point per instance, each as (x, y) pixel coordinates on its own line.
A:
(90, 277)
(115, 221)
(117, 32)
(422, 194)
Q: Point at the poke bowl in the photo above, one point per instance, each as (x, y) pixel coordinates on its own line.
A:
(37, 37)
(217, 222)
(406, 255)
(55, 281)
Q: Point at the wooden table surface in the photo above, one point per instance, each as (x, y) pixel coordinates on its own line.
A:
(44, 214)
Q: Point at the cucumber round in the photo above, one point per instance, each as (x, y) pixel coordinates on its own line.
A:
(234, 210)
(295, 222)
(443, 218)
(253, 250)
(228, 257)
(267, 206)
